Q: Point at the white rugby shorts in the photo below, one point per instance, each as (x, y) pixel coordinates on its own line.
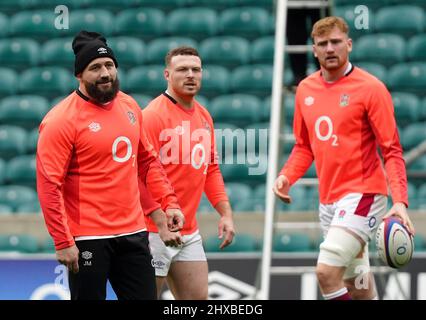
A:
(191, 250)
(360, 213)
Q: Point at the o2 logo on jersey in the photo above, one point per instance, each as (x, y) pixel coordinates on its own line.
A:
(129, 150)
(328, 132)
(198, 157)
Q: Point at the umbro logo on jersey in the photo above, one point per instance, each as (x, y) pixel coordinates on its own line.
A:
(179, 130)
(131, 117)
(102, 50)
(309, 101)
(94, 127)
(344, 100)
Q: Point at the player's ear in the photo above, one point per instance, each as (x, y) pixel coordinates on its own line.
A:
(349, 43)
(166, 74)
(314, 51)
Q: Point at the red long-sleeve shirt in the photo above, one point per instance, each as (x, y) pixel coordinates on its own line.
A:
(91, 161)
(185, 141)
(340, 125)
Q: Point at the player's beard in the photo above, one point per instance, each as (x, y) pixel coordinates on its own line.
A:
(102, 96)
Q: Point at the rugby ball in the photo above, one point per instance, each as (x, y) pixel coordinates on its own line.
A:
(394, 243)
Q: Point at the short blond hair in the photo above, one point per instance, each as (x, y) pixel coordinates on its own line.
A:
(325, 25)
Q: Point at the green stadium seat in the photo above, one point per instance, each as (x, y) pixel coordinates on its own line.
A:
(416, 50)
(250, 205)
(249, 22)
(421, 196)
(215, 81)
(2, 171)
(247, 168)
(48, 246)
(51, 4)
(4, 25)
(205, 206)
(376, 69)
(419, 164)
(39, 24)
(58, 52)
(113, 5)
(204, 101)
(164, 5)
(313, 198)
(10, 7)
(8, 81)
(311, 173)
(241, 243)
(413, 135)
(239, 109)
(407, 107)
(419, 243)
(262, 50)
(225, 50)
(422, 112)
(21, 243)
(288, 108)
(377, 3)
(412, 195)
(259, 199)
(19, 53)
(405, 20)
(14, 196)
(386, 49)
(408, 77)
(147, 23)
(130, 50)
(97, 20)
(258, 135)
(31, 208)
(253, 79)
(420, 3)
(146, 80)
(299, 195)
(348, 12)
(32, 141)
(47, 81)
(238, 192)
(291, 242)
(24, 111)
(21, 170)
(142, 99)
(157, 49)
(227, 136)
(5, 210)
(12, 141)
(224, 4)
(197, 21)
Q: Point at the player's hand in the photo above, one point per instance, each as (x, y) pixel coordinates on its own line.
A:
(281, 188)
(170, 239)
(226, 231)
(175, 219)
(399, 210)
(69, 258)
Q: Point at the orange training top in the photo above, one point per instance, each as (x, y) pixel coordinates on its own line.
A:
(185, 142)
(88, 158)
(340, 125)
